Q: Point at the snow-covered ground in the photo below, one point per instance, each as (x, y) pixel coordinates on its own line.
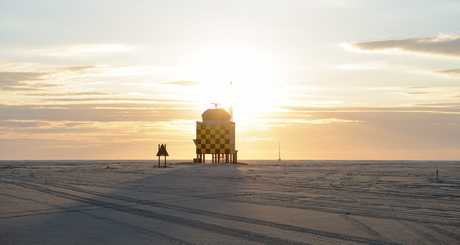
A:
(287, 202)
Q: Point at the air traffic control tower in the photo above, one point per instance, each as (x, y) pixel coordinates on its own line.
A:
(215, 135)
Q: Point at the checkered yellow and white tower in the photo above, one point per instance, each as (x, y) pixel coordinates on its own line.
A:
(215, 135)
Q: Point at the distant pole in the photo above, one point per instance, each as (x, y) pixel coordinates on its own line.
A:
(279, 151)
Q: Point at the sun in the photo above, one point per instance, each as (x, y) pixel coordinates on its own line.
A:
(248, 101)
(231, 64)
(250, 72)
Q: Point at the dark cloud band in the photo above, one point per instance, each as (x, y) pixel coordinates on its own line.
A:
(450, 72)
(444, 45)
(14, 81)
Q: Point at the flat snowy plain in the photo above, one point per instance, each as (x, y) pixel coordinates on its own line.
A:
(263, 202)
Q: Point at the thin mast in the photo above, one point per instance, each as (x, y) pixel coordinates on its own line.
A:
(232, 91)
(279, 151)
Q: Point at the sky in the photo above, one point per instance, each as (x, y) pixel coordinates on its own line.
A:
(329, 79)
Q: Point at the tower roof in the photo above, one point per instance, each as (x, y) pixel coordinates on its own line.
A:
(216, 114)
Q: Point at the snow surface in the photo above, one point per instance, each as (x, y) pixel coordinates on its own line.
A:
(263, 202)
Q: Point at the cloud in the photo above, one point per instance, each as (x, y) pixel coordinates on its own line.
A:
(16, 81)
(21, 67)
(415, 93)
(443, 105)
(76, 70)
(254, 138)
(450, 72)
(118, 103)
(443, 45)
(282, 122)
(74, 94)
(76, 50)
(447, 108)
(331, 120)
(362, 66)
(100, 112)
(93, 131)
(324, 3)
(184, 83)
(434, 93)
(419, 87)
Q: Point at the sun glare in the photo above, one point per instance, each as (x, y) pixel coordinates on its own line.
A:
(248, 101)
(223, 65)
(251, 75)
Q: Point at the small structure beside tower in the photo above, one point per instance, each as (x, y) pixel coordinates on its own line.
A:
(162, 152)
(215, 136)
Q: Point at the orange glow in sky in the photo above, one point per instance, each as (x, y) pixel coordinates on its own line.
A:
(329, 79)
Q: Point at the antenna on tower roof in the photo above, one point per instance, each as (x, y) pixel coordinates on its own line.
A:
(232, 94)
(216, 104)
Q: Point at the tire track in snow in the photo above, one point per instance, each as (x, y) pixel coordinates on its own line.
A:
(362, 210)
(349, 189)
(423, 198)
(423, 234)
(356, 210)
(196, 224)
(368, 229)
(208, 227)
(60, 209)
(444, 232)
